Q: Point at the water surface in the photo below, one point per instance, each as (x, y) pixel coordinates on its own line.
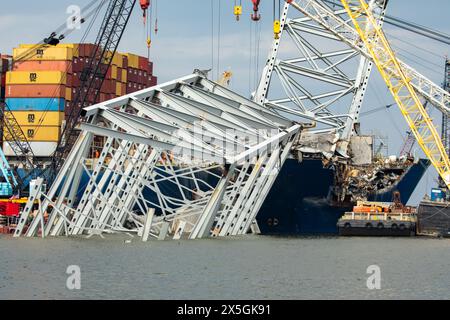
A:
(251, 267)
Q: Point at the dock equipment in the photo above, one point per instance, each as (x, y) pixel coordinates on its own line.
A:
(221, 151)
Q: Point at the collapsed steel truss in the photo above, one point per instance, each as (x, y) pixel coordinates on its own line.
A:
(312, 74)
(188, 158)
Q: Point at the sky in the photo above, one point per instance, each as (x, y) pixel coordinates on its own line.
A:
(187, 29)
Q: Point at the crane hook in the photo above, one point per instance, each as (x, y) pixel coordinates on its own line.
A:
(145, 4)
(256, 16)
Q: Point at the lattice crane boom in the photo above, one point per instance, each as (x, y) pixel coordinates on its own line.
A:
(400, 86)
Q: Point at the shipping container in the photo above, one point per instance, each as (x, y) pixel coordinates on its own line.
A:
(73, 46)
(36, 104)
(64, 66)
(143, 64)
(114, 72)
(4, 65)
(133, 61)
(153, 82)
(37, 77)
(46, 53)
(39, 133)
(150, 67)
(78, 64)
(51, 118)
(39, 148)
(38, 91)
(124, 76)
(124, 61)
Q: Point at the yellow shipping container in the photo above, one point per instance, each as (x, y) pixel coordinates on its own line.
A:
(41, 54)
(114, 72)
(133, 61)
(38, 77)
(73, 46)
(119, 89)
(28, 118)
(124, 75)
(68, 94)
(117, 60)
(36, 133)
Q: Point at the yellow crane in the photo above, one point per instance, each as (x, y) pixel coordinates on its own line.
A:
(399, 84)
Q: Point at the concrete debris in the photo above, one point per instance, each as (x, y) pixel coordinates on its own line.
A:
(317, 143)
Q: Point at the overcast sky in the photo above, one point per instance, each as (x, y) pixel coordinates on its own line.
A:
(184, 40)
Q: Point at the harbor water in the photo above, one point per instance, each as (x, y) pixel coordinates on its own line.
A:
(251, 267)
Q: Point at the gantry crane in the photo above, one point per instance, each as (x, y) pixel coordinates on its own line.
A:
(414, 112)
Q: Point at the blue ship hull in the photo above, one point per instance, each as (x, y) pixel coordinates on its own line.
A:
(299, 202)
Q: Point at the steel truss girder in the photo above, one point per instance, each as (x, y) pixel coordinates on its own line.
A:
(247, 141)
(315, 64)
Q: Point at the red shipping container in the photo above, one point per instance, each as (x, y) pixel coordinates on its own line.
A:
(76, 79)
(9, 209)
(63, 66)
(78, 64)
(143, 64)
(119, 74)
(87, 49)
(35, 91)
(4, 65)
(153, 82)
(125, 62)
(150, 67)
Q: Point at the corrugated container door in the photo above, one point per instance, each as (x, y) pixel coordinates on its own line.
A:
(35, 104)
(36, 77)
(64, 66)
(30, 118)
(35, 91)
(50, 53)
(42, 133)
(40, 148)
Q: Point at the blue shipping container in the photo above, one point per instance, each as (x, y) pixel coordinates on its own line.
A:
(35, 104)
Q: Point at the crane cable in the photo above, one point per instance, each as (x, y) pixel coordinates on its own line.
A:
(85, 35)
(149, 31)
(212, 37)
(218, 39)
(406, 25)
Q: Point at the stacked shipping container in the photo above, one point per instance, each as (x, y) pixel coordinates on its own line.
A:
(5, 65)
(39, 91)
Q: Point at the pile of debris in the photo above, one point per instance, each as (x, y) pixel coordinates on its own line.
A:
(359, 182)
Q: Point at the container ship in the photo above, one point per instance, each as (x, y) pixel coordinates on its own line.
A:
(311, 194)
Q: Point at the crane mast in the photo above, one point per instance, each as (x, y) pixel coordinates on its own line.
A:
(400, 86)
(112, 28)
